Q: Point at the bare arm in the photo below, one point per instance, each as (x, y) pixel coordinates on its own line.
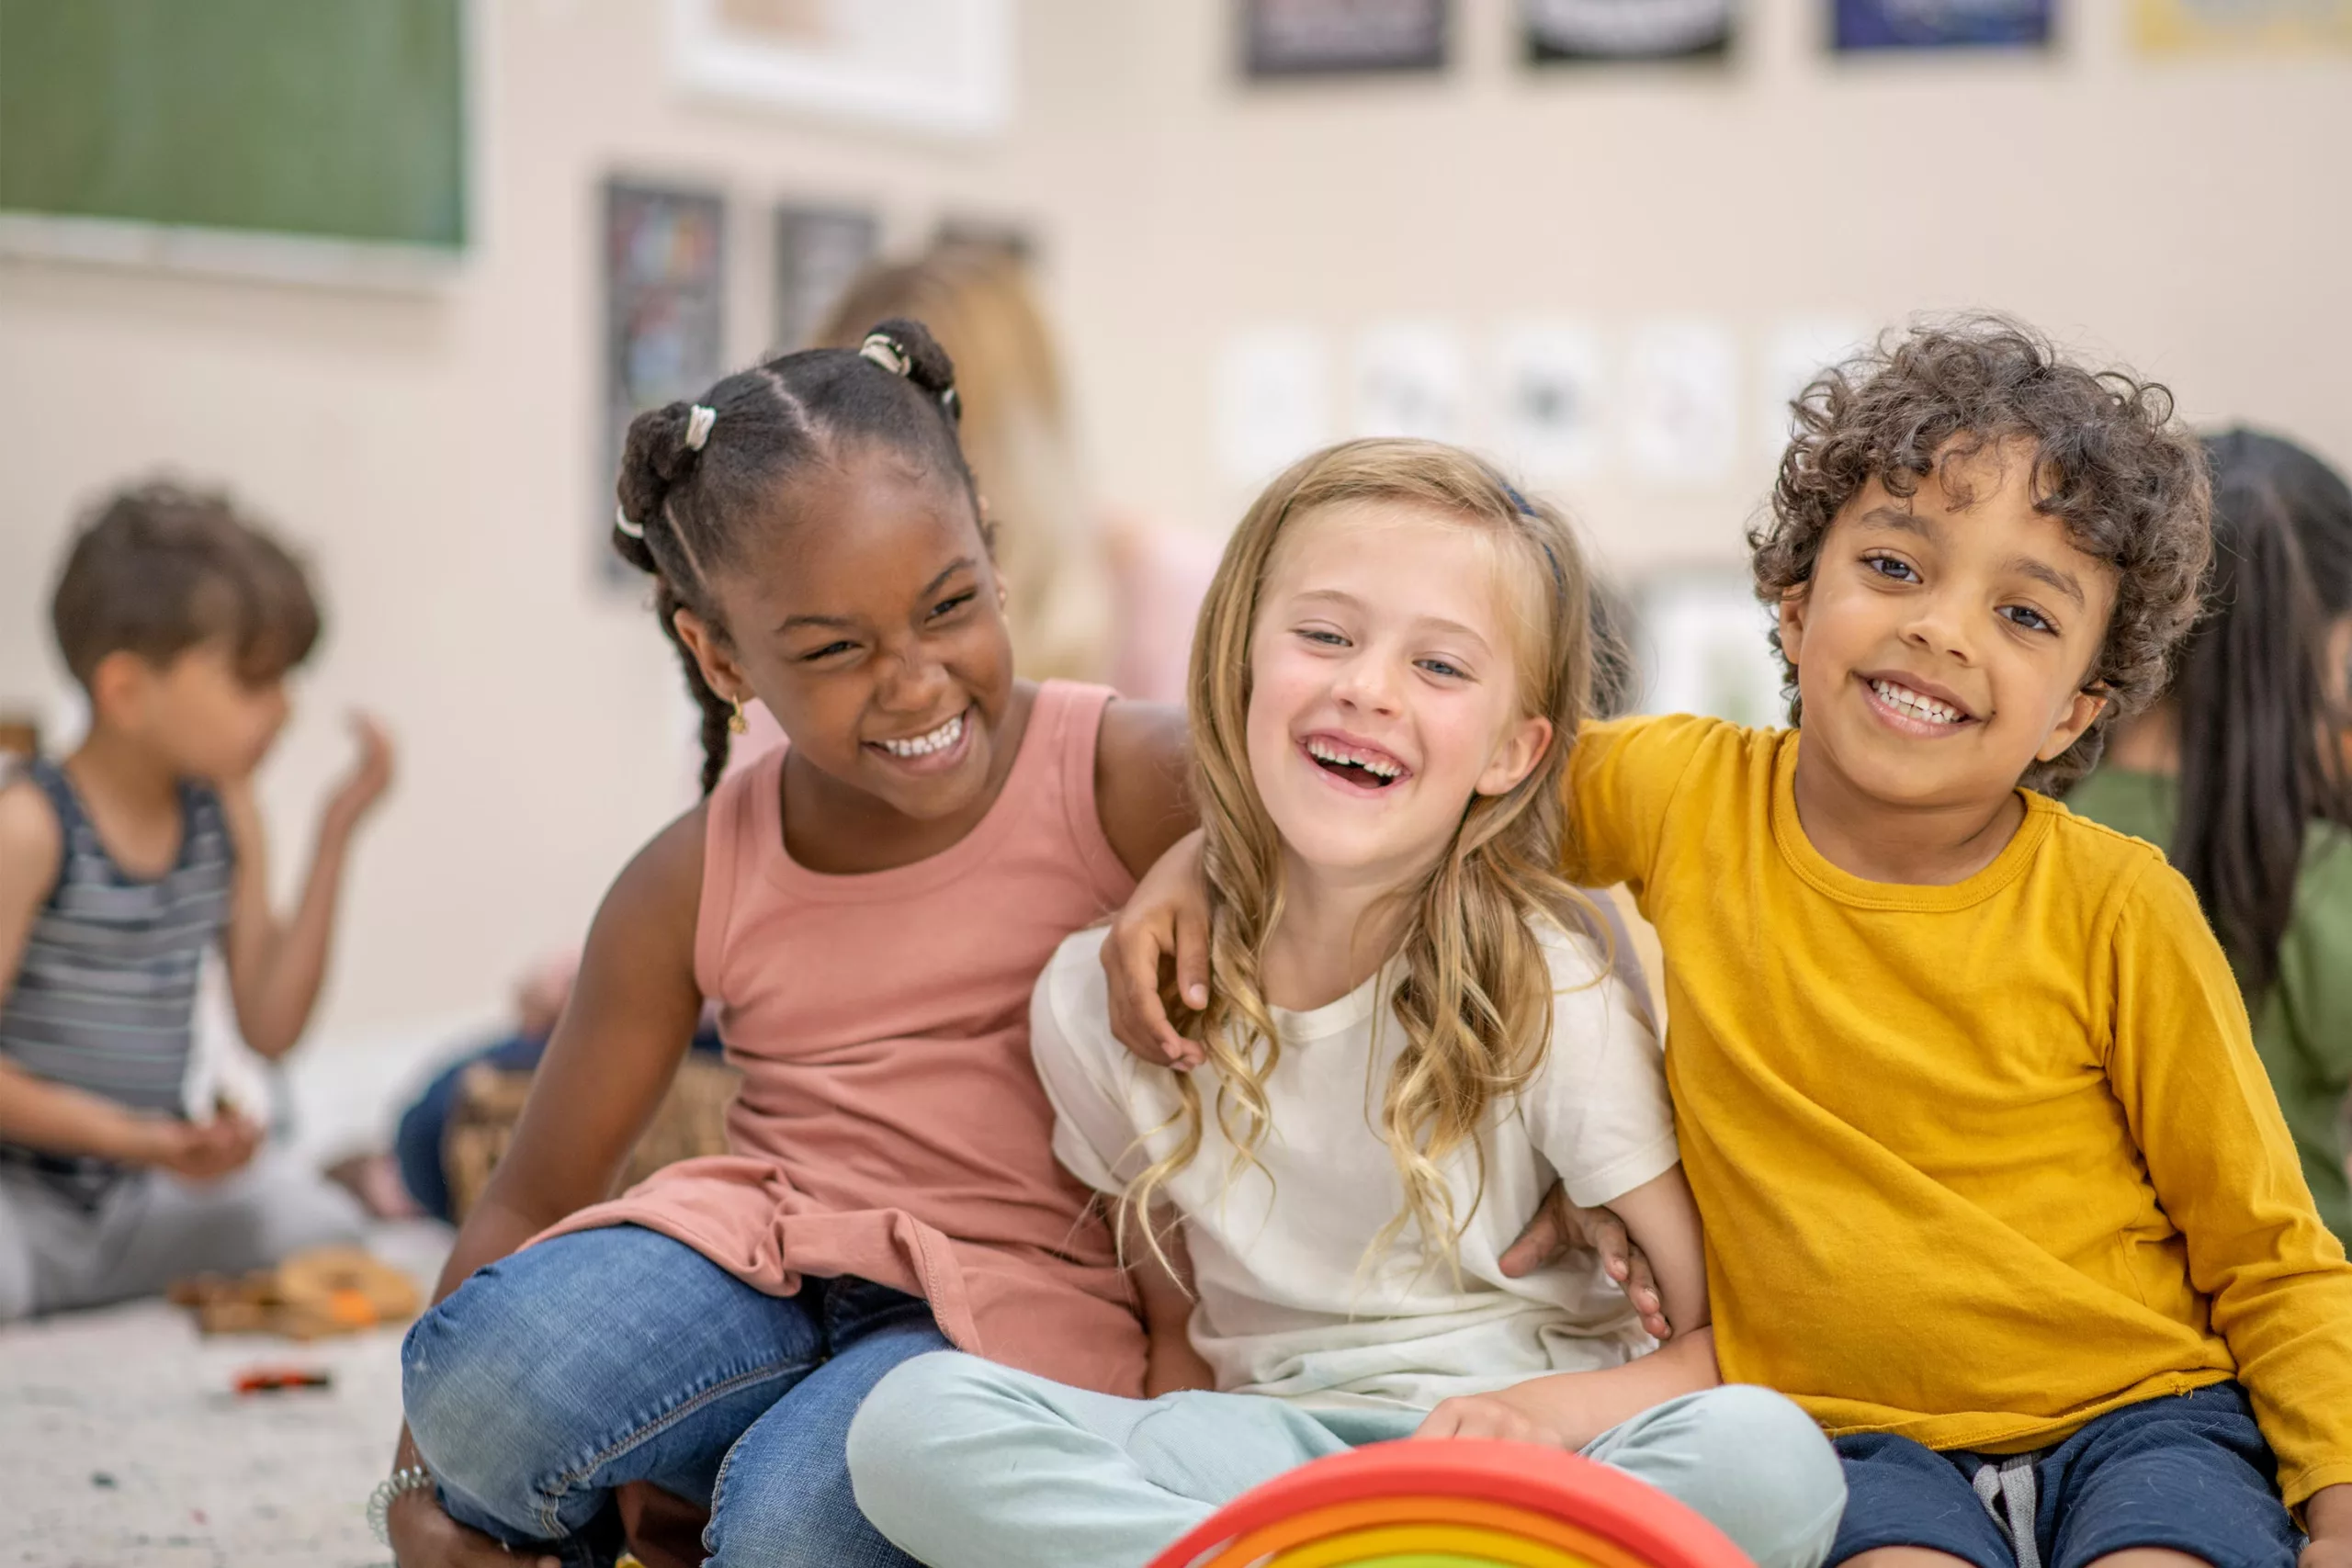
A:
(58, 1118)
(1166, 1289)
(615, 1049)
(276, 967)
(1141, 758)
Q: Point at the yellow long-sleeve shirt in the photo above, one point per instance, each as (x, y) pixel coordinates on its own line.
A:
(1979, 1162)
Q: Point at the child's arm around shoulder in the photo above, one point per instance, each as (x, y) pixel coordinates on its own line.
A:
(276, 966)
(1142, 756)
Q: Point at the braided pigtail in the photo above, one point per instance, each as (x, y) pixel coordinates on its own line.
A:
(659, 457)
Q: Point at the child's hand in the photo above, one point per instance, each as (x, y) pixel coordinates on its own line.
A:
(1559, 1228)
(203, 1151)
(369, 777)
(1166, 922)
(2328, 1515)
(1491, 1416)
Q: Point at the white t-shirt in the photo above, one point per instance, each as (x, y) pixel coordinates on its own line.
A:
(1288, 1304)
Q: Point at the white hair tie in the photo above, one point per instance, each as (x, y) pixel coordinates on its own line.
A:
(698, 423)
(620, 521)
(879, 348)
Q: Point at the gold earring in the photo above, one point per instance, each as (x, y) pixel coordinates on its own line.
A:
(735, 725)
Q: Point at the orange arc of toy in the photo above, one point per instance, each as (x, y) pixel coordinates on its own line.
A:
(1640, 1527)
(1313, 1527)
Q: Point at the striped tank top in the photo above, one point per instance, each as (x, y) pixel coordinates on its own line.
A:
(105, 998)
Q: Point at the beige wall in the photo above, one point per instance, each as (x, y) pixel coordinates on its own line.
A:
(439, 453)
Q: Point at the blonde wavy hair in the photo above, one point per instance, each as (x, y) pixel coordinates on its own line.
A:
(1474, 992)
(978, 300)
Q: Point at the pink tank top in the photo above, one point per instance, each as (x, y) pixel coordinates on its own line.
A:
(890, 1125)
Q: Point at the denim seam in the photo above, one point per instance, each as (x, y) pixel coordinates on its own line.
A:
(551, 1499)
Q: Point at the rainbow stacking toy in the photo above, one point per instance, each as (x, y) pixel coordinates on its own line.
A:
(1459, 1504)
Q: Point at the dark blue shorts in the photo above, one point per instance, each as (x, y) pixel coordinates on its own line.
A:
(2189, 1472)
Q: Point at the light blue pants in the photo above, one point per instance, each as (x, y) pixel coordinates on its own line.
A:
(965, 1464)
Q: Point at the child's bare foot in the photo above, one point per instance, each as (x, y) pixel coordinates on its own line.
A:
(375, 1180)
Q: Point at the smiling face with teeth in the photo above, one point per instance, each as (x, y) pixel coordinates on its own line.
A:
(1384, 692)
(1942, 645)
(870, 623)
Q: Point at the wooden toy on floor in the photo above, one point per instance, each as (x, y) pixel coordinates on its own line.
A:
(327, 1290)
(1464, 1503)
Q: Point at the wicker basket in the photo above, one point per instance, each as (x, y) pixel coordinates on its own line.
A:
(692, 1121)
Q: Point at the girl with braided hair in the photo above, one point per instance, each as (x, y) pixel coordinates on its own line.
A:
(868, 907)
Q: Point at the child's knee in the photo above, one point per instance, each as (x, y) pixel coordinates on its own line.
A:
(1759, 1468)
(920, 1407)
(469, 1374)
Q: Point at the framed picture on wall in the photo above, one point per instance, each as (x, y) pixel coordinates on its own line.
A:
(819, 251)
(2230, 27)
(942, 66)
(1571, 32)
(1323, 38)
(1875, 25)
(665, 286)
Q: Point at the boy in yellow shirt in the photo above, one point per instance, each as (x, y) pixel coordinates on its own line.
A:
(1995, 1185)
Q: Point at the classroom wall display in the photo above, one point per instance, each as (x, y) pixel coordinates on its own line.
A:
(280, 138)
(1314, 37)
(818, 250)
(664, 296)
(1941, 24)
(2213, 26)
(942, 66)
(1571, 31)
(1550, 400)
(1271, 402)
(1682, 402)
(1411, 378)
(1701, 644)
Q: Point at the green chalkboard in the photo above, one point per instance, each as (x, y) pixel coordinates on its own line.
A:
(334, 119)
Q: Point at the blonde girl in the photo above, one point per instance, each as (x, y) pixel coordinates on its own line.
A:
(1413, 1034)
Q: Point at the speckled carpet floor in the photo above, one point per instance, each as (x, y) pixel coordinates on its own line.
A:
(122, 1447)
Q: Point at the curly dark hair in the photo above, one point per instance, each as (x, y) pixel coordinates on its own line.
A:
(2110, 461)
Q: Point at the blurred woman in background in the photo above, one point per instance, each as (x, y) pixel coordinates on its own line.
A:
(1096, 595)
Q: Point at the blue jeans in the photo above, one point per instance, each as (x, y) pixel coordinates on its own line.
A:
(971, 1465)
(551, 1377)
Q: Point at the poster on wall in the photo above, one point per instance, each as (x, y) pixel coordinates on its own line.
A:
(1701, 642)
(1410, 379)
(1575, 32)
(818, 250)
(1549, 400)
(1271, 402)
(1870, 25)
(1682, 402)
(664, 293)
(1321, 38)
(2235, 27)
